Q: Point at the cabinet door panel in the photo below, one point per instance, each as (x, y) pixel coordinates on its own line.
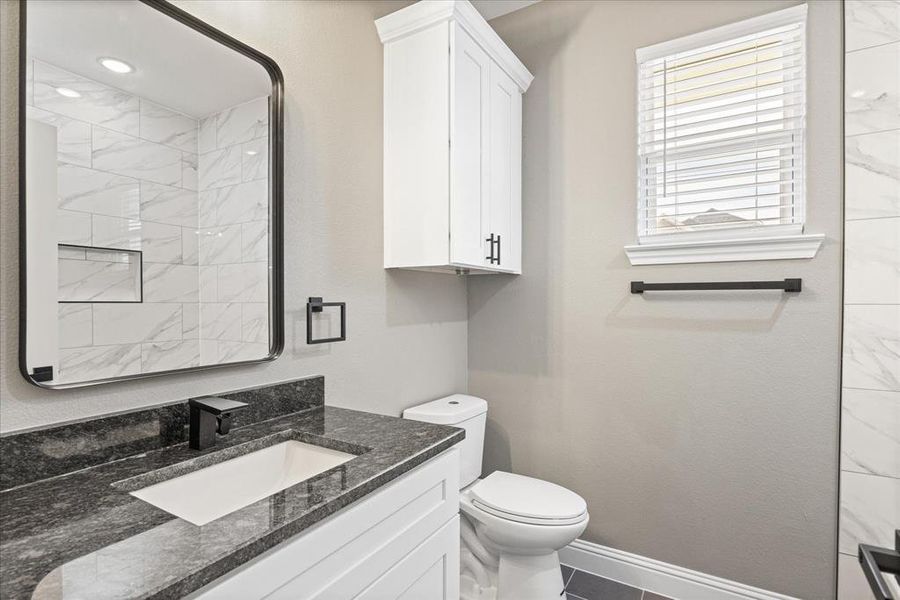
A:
(416, 128)
(430, 572)
(504, 107)
(345, 573)
(513, 258)
(470, 76)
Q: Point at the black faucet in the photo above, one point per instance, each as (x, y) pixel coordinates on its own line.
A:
(210, 415)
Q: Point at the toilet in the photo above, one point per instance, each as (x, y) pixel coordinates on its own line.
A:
(512, 526)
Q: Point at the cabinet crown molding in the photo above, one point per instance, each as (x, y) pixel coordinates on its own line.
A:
(426, 13)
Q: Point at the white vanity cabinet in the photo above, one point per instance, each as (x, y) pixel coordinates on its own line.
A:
(452, 141)
(401, 541)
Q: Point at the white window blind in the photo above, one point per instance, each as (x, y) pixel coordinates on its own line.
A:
(721, 121)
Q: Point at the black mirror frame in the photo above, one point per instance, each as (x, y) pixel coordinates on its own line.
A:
(276, 199)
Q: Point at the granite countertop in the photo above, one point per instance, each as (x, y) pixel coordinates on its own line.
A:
(82, 535)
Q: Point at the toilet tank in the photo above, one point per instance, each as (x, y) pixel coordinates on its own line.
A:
(458, 410)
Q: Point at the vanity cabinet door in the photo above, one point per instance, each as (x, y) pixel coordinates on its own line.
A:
(470, 80)
(429, 573)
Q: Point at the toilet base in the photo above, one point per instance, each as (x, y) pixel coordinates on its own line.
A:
(519, 578)
(529, 577)
(469, 589)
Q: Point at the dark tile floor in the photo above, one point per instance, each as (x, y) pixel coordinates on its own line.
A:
(585, 586)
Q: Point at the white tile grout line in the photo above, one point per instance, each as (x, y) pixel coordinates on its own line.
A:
(855, 219)
(866, 473)
(847, 387)
(566, 582)
(862, 133)
(873, 46)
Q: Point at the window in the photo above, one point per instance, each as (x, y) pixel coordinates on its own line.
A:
(721, 124)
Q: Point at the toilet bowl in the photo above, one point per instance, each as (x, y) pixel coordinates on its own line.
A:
(512, 526)
(524, 522)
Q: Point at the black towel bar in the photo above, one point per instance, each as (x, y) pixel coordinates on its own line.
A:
(788, 285)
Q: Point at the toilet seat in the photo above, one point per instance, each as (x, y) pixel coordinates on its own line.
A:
(527, 500)
(528, 520)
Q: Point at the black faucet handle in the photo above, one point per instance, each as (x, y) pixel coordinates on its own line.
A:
(216, 406)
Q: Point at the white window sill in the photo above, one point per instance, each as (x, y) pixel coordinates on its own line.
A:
(725, 250)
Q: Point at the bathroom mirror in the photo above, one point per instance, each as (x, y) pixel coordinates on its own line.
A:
(151, 193)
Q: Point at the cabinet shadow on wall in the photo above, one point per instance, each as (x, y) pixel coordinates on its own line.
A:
(418, 297)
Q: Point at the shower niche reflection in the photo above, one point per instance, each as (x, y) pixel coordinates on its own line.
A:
(152, 194)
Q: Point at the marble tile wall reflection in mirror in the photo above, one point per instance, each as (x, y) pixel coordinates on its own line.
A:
(148, 206)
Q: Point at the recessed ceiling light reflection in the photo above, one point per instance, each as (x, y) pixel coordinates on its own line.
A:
(115, 65)
(251, 153)
(67, 92)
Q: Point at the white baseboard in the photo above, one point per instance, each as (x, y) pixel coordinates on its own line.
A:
(659, 577)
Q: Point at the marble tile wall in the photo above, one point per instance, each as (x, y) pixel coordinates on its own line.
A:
(233, 216)
(97, 275)
(870, 399)
(127, 179)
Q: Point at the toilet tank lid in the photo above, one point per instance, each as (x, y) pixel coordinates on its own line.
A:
(448, 410)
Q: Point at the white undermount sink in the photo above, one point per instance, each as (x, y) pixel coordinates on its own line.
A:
(207, 494)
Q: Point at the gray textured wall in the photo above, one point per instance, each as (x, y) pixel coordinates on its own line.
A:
(407, 330)
(701, 428)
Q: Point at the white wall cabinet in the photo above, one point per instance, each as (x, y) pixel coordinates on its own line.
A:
(452, 141)
(400, 542)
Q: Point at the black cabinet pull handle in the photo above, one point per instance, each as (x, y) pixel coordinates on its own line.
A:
(490, 240)
(498, 248)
